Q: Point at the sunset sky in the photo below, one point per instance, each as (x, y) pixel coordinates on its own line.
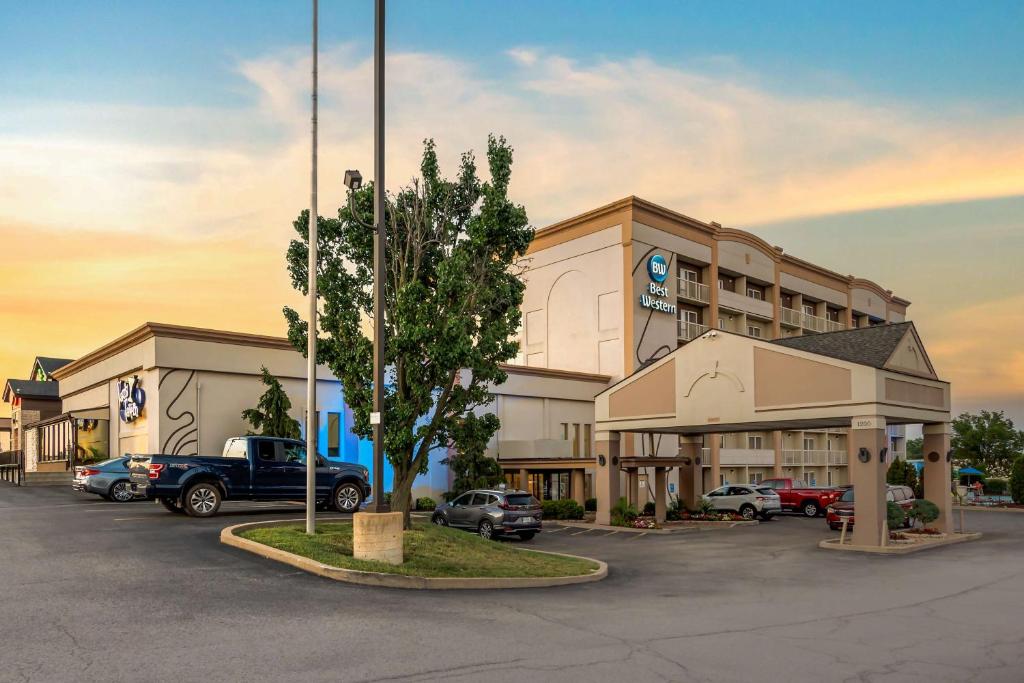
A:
(153, 155)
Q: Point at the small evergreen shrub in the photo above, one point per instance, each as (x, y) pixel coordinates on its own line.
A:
(1017, 480)
(567, 508)
(705, 506)
(924, 511)
(895, 515)
(649, 508)
(426, 503)
(590, 505)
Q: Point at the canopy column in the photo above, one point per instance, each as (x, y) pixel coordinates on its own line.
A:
(938, 472)
(577, 486)
(691, 472)
(606, 476)
(660, 488)
(867, 474)
(633, 487)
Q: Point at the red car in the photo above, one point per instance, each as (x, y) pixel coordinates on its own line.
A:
(843, 508)
(796, 496)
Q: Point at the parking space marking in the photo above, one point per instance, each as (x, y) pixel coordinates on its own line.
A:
(636, 536)
(130, 519)
(585, 531)
(556, 530)
(612, 533)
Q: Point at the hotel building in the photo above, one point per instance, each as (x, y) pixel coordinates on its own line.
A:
(618, 287)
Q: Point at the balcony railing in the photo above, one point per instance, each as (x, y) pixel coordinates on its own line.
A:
(814, 458)
(814, 323)
(694, 291)
(689, 331)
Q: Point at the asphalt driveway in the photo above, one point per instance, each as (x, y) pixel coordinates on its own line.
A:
(95, 591)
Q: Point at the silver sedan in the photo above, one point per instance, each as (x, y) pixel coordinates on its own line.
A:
(108, 479)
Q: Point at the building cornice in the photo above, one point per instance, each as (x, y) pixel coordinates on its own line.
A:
(150, 330)
(555, 373)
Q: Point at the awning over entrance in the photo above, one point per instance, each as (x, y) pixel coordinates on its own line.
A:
(722, 382)
(862, 380)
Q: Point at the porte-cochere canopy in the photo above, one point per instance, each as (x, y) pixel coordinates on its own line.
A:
(722, 382)
(862, 379)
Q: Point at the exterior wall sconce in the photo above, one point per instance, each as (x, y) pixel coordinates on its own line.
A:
(864, 455)
(882, 454)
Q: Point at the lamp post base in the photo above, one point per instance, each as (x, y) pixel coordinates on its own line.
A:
(378, 536)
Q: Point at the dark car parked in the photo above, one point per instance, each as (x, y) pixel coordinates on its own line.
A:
(250, 468)
(843, 508)
(490, 512)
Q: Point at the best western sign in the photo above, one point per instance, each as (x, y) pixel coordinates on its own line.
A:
(653, 298)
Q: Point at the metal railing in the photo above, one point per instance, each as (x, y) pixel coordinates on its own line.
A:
(694, 291)
(689, 331)
(814, 323)
(814, 457)
(791, 317)
(11, 467)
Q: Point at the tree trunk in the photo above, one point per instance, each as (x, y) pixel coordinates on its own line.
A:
(401, 496)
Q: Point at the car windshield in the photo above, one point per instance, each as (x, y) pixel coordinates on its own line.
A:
(112, 461)
(765, 491)
(521, 499)
(847, 496)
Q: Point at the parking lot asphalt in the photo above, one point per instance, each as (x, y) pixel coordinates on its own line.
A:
(97, 591)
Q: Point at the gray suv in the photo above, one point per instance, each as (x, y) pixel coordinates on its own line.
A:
(489, 512)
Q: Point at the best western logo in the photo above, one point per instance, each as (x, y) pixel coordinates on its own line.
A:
(657, 268)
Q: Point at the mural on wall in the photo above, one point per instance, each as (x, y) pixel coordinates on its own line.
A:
(182, 426)
(131, 399)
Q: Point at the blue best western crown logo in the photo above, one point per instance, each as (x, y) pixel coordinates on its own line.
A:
(657, 268)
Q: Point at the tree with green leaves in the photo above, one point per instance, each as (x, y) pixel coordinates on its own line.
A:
(1017, 480)
(452, 293)
(471, 466)
(915, 448)
(270, 417)
(987, 441)
(901, 473)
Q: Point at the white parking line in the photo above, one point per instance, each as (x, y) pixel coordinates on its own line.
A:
(636, 536)
(585, 531)
(130, 519)
(555, 531)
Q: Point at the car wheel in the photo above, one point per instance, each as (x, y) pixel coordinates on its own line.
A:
(527, 535)
(747, 511)
(833, 527)
(121, 491)
(439, 520)
(810, 509)
(347, 498)
(202, 500)
(172, 505)
(486, 529)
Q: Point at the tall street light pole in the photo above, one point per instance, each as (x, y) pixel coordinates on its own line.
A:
(379, 224)
(311, 413)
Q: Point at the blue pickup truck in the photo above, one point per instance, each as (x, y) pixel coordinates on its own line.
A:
(250, 468)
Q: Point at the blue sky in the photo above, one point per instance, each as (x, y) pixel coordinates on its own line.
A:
(176, 51)
(882, 139)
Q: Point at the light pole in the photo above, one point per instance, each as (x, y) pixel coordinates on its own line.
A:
(311, 413)
(377, 416)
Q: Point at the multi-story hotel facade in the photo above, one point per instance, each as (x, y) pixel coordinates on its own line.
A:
(620, 286)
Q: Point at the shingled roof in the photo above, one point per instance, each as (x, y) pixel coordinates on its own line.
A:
(26, 388)
(49, 365)
(871, 346)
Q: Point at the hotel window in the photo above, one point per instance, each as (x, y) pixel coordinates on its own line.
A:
(576, 440)
(832, 314)
(753, 331)
(829, 475)
(756, 478)
(787, 300)
(587, 438)
(721, 440)
(565, 431)
(812, 480)
(754, 442)
(727, 283)
(333, 435)
(721, 323)
(808, 444)
(688, 275)
(808, 309)
(755, 292)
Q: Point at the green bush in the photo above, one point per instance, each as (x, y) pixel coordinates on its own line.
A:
(425, 503)
(1017, 480)
(566, 508)
(623, 513)
(675, 509)
(705, 506)
(924, 511)
(895, 515)
(996, 487)
(649, 508)
(590, 505)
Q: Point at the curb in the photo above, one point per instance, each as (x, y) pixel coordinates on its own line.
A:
(697, 525)
(381, 579)
(833, 544)
(983, 508)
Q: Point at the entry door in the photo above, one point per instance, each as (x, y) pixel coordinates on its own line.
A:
(275, 476)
